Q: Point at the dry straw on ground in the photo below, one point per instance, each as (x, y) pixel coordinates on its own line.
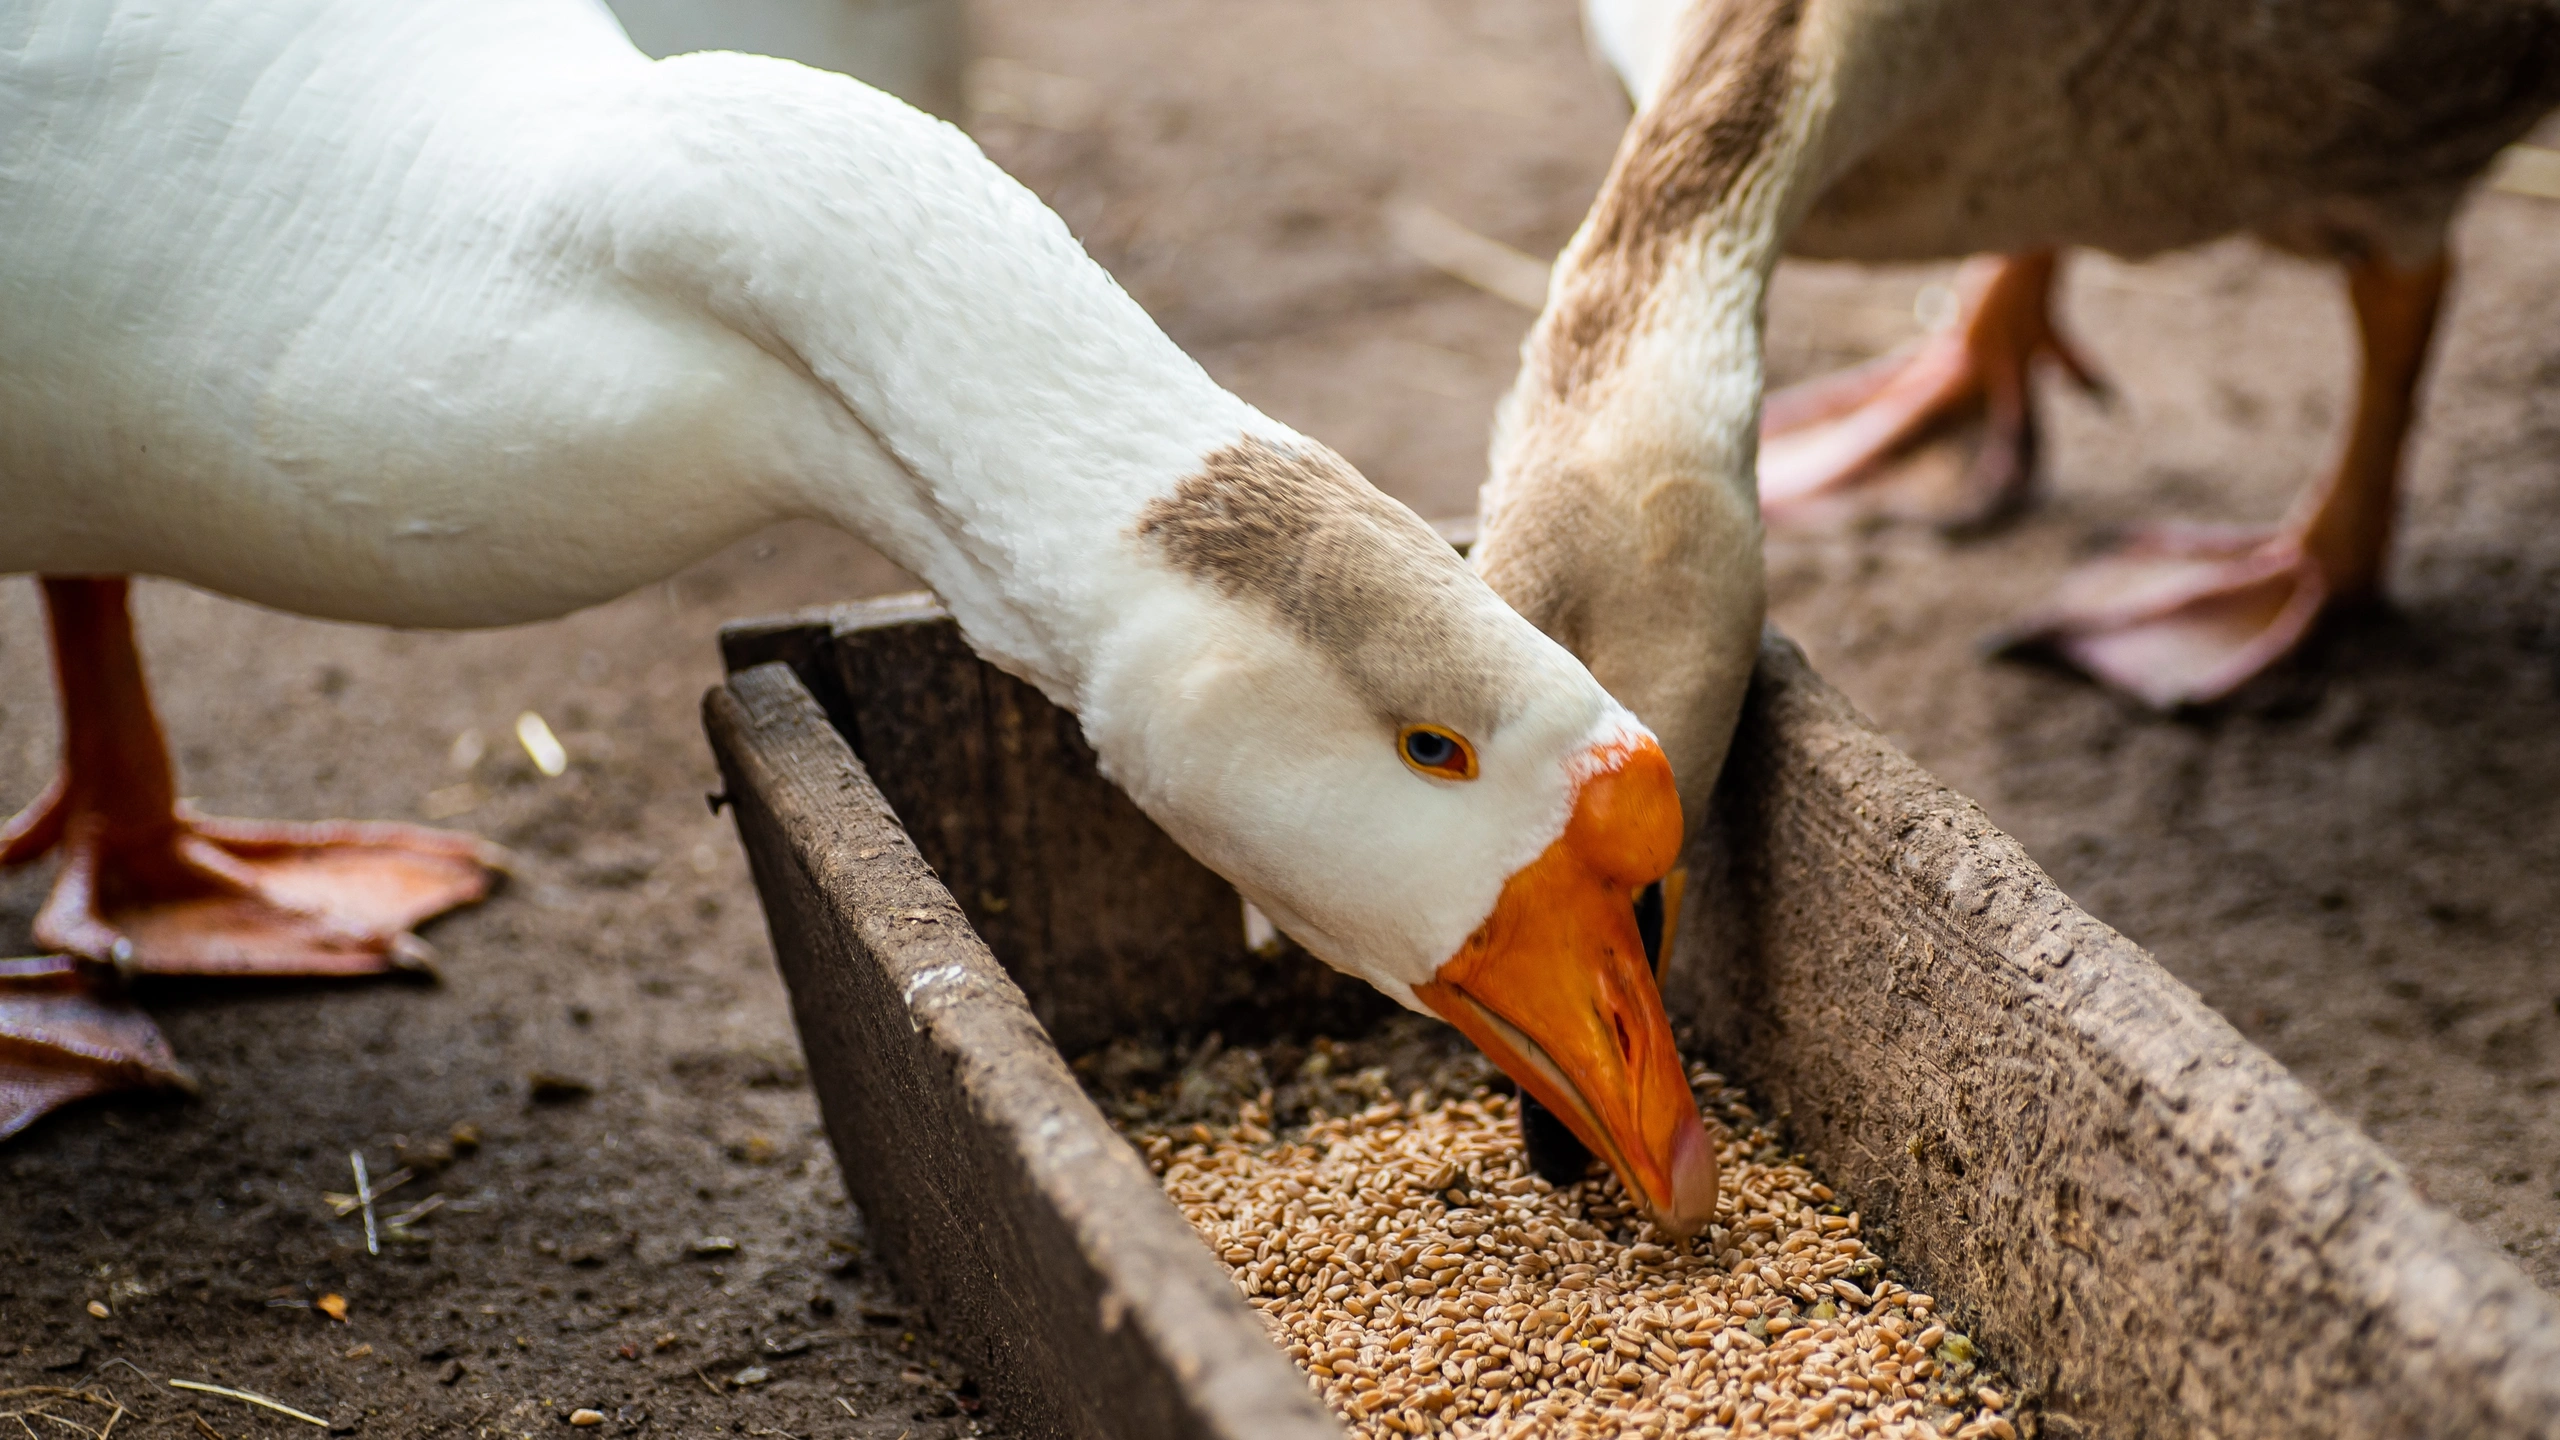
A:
(1431, 1286)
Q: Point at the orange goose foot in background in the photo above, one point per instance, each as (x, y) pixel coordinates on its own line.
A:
(1829, 447)
(61, 1040)
(151, 889)
(2185, 616)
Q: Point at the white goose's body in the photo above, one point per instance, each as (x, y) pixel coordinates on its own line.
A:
(468, 314)
(368, 353)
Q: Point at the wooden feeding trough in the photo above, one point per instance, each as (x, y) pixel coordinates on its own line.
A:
(2158, 1230)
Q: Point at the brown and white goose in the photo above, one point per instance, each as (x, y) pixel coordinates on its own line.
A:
(1631, 458)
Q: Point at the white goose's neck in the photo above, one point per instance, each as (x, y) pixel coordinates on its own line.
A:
(998, 411)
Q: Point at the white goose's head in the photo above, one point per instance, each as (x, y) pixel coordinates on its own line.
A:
(1326, 706)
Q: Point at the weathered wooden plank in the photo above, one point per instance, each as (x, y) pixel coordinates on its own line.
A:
(993, 1188)
(2133, 1205)
(801, 640)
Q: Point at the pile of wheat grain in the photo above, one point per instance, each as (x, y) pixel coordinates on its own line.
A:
(1431, 1286)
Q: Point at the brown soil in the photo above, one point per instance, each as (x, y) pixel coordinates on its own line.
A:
(2355, 861)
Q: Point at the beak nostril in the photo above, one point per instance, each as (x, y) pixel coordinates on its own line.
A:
(1626, 1046)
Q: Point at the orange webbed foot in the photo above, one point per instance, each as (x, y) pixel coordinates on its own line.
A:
(1842, 445)
(61, 1040)
(2186, 615)
(2180, 615)
(197, 895)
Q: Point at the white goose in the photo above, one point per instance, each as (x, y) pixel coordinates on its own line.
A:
(469, 314)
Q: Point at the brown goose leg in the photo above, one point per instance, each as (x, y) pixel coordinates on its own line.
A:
(2183, 616)
(149, 886)
(1830, 443)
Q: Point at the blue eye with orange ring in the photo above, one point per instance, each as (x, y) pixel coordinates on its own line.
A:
(1437, 751)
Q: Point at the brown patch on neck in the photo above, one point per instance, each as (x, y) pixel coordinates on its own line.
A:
(1351, 573)
(1680, 161)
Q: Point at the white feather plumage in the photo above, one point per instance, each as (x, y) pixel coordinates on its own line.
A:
(468, 314)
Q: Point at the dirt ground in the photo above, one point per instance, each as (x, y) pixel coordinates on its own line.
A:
(2355, 861)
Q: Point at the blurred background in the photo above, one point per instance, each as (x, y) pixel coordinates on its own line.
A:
(2357, 861)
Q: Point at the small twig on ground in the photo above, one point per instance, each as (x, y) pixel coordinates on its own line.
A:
(705, 1379)
(1462, 254)
(364, 1198)
(415, 1213)
(344, 1204)
(129, 1365)
(62, 1392)
(848, 1407)
(248, 1397)
(207, 1431)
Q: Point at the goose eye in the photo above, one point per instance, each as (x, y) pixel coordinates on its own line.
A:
(1437, 751)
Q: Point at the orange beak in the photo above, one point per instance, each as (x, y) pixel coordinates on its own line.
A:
(1554, 988)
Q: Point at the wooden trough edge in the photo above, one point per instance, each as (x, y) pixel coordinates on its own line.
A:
(2145, 1217)
(1081, 1299)
(2143, 1214)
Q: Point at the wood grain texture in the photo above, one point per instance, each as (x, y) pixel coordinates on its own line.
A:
(993, 1188)
(2133, 1206)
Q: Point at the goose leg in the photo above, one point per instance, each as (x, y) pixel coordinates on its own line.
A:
(61, 1041)
(149, 886)
(2185, 615)
(1831, 442)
